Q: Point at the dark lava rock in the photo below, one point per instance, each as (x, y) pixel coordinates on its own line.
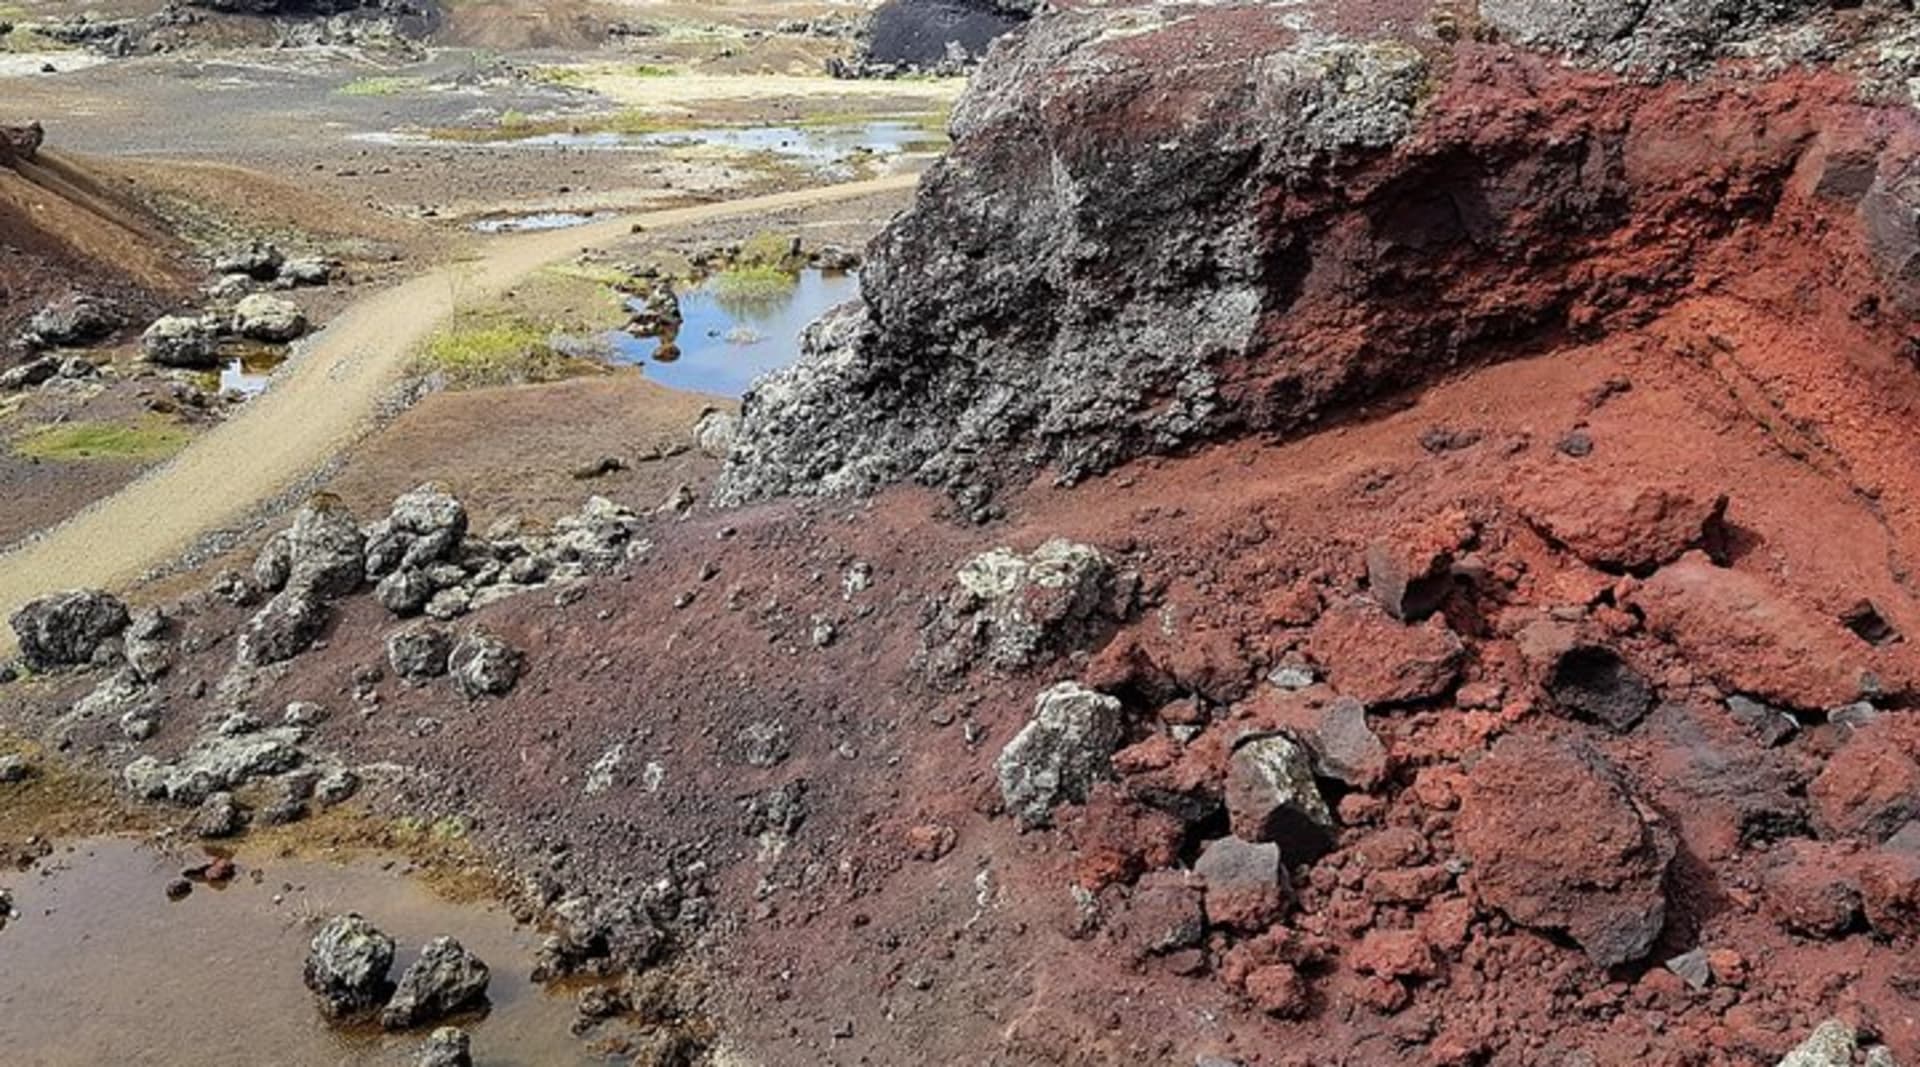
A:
(326, 552)
(1763, 722)
(66, 629)
(420, 652)
(1558, 842)
(445, 979)
(1870, 788)
(347, 966)
(936, 34)
(1245, 883)
(1594, 684)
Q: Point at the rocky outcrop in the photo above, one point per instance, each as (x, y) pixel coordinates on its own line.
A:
(67, 629)
(269, 318)
(1128, 250)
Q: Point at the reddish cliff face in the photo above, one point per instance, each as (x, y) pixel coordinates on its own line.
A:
(1163, 225)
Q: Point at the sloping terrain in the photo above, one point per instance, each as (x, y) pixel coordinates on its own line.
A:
(67, 230)
(1339, 533)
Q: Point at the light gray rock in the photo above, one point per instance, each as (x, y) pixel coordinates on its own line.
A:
(1832, 1044)
(14, 768)
(29, 374)
(1272, 796)
(1060, 753)
(219, 817)
(306, 270)
(274, 565)
(601, 536)
(347, 966)
(336, 786)
(484, 665)
(67, 629)
(215, 764)
(1019, 609)
(269, 318)
(190, 341)
(445, 979)
(76, 319)
(446, 1047)
(325, 549)
(714, 433)
(288, 625)
(449, 604)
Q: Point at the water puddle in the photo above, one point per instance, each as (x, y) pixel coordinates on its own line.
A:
(726, 341)
(249, 372)
(544, 220)
(814, 144)
(101, 967)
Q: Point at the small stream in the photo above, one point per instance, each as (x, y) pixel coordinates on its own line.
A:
(100, 967)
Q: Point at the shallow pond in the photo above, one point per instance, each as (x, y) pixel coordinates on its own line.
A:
(101, 968)
(247, 368)
(817, 144)
(543, 220)
(725, 343)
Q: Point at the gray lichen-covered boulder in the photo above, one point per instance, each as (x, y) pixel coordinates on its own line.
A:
(1644, 37)
(67, 629)
(420, 652)
(347, 966)
(288, 625)
(1016, 609)
(219, 763)
(445, 979)
(265, 317)
(484, 665)
(75, 319)
(1058, 756)
(190, 341)
(326, 552)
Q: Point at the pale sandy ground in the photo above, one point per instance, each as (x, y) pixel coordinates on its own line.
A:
(328, 398)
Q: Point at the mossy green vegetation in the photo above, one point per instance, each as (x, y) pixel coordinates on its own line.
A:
(382, 85)
(148, 439)
(495, 348)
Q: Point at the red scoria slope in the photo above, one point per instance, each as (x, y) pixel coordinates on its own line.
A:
(1564, 519)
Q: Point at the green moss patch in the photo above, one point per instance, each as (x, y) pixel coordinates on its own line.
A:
(147, 440)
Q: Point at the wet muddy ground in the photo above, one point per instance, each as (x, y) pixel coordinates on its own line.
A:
(100, 966)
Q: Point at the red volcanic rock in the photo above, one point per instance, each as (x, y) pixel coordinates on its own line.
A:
(1870, 788)
(1409, 574)
(1372, 657)
(1890, 888)
(1119, 838)
(1620, 525)
(1162, 914)
(1398, 954)
(1811, 889)
(930, 841)
(1278, 990)
(1558, 842)
(1751, 638)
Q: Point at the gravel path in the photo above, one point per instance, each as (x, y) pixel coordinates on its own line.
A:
(329, 397)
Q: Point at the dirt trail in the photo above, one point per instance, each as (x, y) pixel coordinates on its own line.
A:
(327, 398)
